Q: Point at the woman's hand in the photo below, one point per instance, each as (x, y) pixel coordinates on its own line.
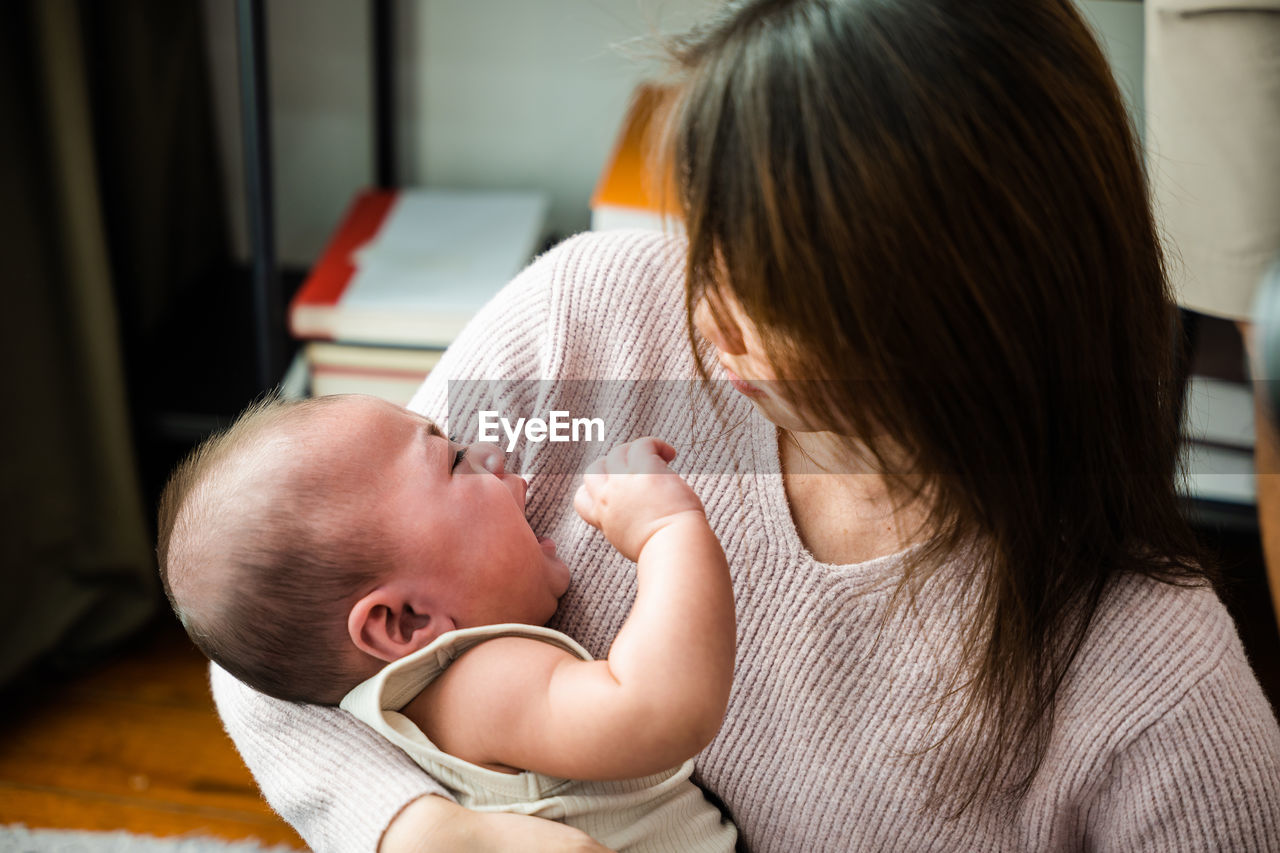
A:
(435, 824)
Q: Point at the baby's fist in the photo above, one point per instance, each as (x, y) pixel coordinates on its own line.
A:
(631, 494)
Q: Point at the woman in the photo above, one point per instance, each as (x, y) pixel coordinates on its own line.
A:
(919, 247)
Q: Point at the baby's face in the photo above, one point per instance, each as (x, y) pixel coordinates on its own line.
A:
(456, 514)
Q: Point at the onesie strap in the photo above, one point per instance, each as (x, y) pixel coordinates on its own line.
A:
(401, 680)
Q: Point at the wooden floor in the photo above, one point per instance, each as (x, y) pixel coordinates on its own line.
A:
(134, 744)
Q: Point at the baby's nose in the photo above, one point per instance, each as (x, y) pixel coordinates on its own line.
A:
(488, 456)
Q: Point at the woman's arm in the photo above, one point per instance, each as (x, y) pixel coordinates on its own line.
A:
(332, 778)
(302, 750)
(1204, 776)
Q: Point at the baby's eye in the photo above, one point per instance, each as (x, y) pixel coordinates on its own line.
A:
(458, 457)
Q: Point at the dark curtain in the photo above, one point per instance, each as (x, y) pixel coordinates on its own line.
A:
(112, 213)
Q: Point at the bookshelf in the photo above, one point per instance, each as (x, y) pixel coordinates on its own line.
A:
(271, 339)
(225, 341)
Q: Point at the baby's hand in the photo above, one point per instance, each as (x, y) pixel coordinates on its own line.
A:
(631, 494)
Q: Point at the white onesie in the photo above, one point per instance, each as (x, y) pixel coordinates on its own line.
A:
(662, 813)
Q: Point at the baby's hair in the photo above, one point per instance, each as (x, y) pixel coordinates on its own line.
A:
(260, 557)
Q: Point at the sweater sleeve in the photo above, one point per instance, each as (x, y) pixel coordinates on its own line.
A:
(331, 777)
(1203, 776)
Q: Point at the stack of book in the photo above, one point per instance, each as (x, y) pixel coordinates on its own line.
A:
(1219, 440)
(403, 273)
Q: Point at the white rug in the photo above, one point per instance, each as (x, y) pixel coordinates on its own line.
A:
(19, 839)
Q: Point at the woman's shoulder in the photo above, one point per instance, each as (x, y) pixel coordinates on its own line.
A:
(616, 304)
(626, 266)
(1187, 611)
(642, 245)
(1162, 734)
(610, 264)
(1150, 645)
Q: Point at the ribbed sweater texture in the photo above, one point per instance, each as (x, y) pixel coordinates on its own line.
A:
(1162, 739)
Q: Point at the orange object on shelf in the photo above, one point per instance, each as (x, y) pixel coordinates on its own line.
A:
(629, 192)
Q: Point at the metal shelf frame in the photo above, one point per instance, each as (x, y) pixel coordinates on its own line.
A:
(269, 329)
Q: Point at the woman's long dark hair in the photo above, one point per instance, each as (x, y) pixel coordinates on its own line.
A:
(938, 209)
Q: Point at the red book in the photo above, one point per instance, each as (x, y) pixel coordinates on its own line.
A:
(411, 267)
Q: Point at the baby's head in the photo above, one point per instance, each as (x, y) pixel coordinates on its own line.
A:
(314, 540)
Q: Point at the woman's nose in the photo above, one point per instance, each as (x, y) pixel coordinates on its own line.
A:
(487, 456)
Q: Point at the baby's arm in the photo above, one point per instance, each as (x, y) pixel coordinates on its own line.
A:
(660, 696)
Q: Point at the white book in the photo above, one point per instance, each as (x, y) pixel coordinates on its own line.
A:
(412, 267)
(1219, 412)
(1219, 474)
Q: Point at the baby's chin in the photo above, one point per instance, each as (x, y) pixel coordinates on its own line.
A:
(562, 577)
(558, 570)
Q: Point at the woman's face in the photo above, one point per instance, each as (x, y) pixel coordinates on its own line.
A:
(741, 354)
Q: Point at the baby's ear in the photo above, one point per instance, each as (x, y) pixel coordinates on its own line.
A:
(387, 625)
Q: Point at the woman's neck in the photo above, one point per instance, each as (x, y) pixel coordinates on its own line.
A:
(842, 507)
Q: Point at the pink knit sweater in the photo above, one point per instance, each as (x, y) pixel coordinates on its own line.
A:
(1163, 739)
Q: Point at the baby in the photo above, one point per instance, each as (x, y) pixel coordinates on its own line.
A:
(343, 550)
